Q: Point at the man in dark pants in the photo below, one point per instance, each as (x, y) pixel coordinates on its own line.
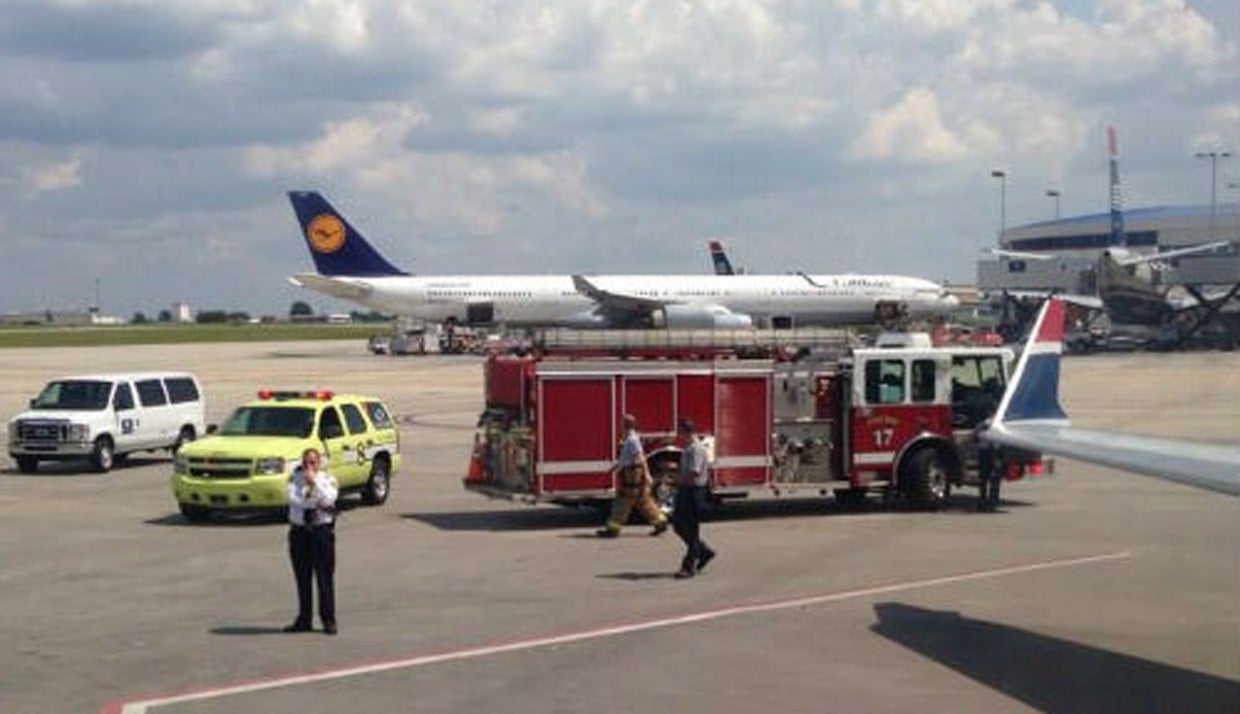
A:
(989, 471)
(690, 504)
(312, 541)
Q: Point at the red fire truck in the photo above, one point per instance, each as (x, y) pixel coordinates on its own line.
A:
(899, 417)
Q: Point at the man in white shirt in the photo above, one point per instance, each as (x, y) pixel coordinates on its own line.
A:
(312, 540)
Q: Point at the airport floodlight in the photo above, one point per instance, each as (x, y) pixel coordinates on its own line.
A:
(1002, 176)
(1054, 193)
(1213, 156)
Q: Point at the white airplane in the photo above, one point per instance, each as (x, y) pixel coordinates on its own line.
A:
(351, 269)
(1029, 417)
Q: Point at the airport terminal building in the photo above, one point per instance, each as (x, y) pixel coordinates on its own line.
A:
(1073, 245)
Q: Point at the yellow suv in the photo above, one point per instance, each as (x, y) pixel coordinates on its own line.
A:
(245, 464)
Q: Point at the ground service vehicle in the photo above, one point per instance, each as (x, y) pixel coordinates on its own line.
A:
(245, 465)
(900, 417)
(106, 417)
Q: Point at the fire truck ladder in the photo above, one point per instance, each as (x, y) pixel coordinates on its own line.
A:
(705, 341)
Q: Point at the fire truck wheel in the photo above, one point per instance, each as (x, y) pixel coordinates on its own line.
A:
(927, 481)
(379, 483)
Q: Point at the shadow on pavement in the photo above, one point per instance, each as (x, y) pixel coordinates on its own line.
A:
(516, 519)
(1051, 674)
(661, 575)
(247, 630)
(82, 467)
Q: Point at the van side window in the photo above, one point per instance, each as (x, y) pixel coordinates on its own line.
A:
(151, 393)
(329, 424)
(884, 381)
(353, 417)
(378, 415)
(923, 380)
(123, 399)
(181, 390)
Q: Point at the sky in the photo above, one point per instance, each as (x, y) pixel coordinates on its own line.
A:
(149, 144)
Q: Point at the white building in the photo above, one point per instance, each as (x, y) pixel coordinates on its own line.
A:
(1074, 245)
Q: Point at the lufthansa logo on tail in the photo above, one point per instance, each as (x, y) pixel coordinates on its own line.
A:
(325, 233)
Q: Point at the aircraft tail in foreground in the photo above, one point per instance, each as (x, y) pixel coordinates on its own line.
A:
(1029, 417)
(336, 247)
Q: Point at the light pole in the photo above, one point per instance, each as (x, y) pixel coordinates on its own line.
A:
(1054, 193)
(1213, 156)
(1002, 176)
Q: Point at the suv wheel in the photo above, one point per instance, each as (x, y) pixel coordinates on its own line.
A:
(194, 514)
(103, 457)
(27, 464)
(379, 483)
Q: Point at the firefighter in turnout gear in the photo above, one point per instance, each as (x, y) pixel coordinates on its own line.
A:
(634, 486)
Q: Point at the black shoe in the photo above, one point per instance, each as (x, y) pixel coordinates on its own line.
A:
(607, 533)
(684, 573)
(659, 528)
(297, 626)
(706, 558)
(329, 628)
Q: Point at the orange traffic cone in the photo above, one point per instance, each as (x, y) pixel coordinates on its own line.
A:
(476, 472)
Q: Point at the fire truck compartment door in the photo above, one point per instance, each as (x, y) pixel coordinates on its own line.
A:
(742, 430)
(652, 400)
(576, 434)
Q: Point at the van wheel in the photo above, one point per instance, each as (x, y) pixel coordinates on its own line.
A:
(103, 458)
(194, 514)
(927, 481)
(187, 435)
(379, 484)
(27, 464)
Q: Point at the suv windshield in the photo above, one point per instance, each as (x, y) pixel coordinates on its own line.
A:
(77, 394)
(270, 421)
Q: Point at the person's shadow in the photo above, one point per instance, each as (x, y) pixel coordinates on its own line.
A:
(231, 630)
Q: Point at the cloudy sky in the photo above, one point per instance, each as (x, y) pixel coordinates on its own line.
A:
(149, 143)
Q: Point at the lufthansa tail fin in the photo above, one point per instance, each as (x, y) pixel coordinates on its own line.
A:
(1033, 393)
(336, 246)
(719, 258)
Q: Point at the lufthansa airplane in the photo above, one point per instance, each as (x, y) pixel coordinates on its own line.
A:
(1029, 417)
(351, 269)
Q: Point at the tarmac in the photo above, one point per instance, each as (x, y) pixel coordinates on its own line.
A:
(1091, 591)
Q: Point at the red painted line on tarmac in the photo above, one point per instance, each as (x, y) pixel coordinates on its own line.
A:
(142, 705)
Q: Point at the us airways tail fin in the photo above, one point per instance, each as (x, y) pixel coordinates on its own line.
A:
(1029, 417)
(336, 247)
(723, 266)
(1033, 393)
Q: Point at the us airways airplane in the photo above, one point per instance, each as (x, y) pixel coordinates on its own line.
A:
(351, 269)
(1029, 417)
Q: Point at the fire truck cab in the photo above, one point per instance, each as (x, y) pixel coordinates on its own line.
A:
(899, 417)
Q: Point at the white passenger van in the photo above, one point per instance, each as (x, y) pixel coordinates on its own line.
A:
(104, 417)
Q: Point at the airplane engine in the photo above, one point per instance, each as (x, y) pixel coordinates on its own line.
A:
(887, 311)
(703, 317)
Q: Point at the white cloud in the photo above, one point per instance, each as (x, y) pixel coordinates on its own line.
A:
(59, 176)
(910, 131)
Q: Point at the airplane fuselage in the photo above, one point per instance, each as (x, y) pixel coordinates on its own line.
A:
(553, 300)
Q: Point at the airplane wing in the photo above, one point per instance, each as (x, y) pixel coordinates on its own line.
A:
(1029, 417)
(1090, 302)
(1177, 253)
(618, 302)
(336, 287)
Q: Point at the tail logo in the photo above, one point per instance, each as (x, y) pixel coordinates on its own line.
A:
(325, 233)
